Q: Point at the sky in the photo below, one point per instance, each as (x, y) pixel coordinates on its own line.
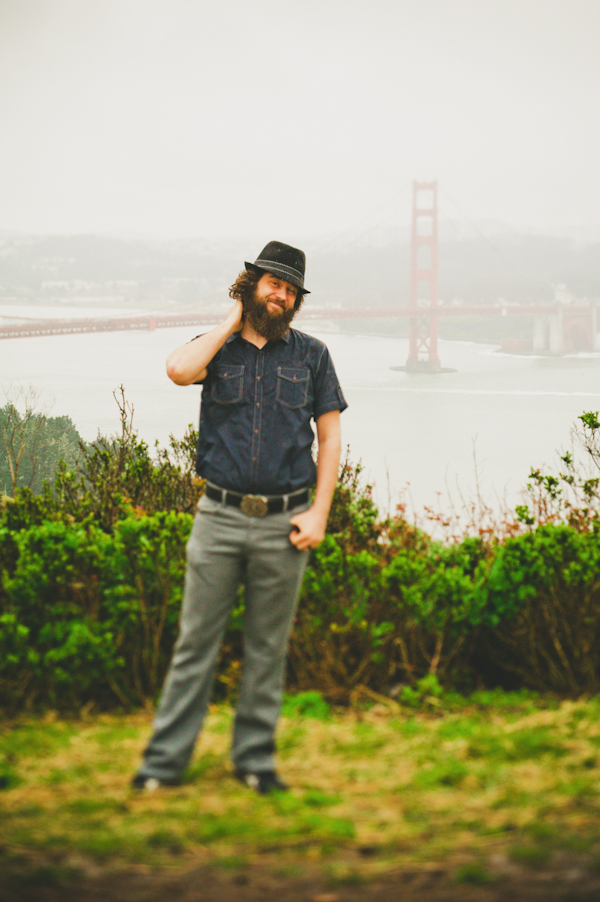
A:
(259, 118)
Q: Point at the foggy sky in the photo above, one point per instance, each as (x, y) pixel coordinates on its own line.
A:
(287, 120)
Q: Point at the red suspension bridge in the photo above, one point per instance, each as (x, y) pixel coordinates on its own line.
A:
(21, 327)
(558, 328)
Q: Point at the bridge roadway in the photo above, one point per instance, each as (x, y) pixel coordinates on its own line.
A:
(29, 328)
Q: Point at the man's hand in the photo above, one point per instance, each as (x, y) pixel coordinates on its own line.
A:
(235, 317)
(310, 529)
(311, 524)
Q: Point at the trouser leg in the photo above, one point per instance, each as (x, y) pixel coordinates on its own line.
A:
(215, 557)
(273, 581)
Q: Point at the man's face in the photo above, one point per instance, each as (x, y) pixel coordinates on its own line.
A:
(277, 293)
(271, 309)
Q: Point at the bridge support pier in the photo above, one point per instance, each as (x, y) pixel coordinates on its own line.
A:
(548, 334)
(571, 328)
(422, 366)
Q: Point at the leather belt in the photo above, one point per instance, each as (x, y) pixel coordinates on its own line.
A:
(257, 505)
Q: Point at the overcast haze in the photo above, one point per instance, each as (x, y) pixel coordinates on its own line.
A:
(265, 119)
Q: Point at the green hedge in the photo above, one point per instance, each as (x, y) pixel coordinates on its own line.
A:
(542, 600)
(91, 588)
(89, 616)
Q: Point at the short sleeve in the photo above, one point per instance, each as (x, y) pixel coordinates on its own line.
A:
(328, 392)
(210, 363)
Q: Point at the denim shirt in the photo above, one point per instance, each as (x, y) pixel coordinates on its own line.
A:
(255, 431)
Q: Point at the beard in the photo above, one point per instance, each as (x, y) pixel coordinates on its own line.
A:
(271, 324)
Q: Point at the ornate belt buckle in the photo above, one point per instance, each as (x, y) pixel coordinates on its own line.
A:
(254, 505)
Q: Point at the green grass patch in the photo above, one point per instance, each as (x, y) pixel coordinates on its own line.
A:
(165, 838)
(578, 787)
(530, 856)
(209, 765)
(74, 773)
(8, 775)
(540, 831)
(89, 806)
(410, 727)
(103, 845)
(450, 772)
(212, 828)
(366, 740)
(26, 811)
(473, 874)
(422, 786)
(515, 746)
(291, 737)
(306, 704)
(42, 738)
(317, 799)
(113, 735)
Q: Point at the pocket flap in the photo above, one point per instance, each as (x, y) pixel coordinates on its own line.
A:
(230, 372)
(292, 373)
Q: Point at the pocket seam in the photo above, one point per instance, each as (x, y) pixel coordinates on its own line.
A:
(223, 378)
(284, 379)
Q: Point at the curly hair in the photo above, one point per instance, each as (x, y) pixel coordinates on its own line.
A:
(243, 287)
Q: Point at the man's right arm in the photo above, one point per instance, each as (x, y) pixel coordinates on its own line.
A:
(188, 364)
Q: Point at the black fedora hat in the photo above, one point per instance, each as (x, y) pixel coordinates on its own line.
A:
(284, 261)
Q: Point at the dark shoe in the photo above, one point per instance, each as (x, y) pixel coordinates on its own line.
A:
(150, 784)
(263, 782)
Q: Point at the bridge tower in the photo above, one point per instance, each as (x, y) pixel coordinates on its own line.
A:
(423, 327)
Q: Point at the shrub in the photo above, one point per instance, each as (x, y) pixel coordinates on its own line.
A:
(92, 572)
(87, 616)
(542, 604)
(53, 598)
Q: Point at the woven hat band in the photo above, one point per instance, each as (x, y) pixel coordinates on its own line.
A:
(280, 267)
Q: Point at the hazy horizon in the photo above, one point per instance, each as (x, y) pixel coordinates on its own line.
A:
(250, 121)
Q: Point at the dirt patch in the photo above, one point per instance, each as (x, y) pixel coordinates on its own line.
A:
(569, 882)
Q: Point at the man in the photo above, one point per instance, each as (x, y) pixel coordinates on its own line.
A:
(263, 382)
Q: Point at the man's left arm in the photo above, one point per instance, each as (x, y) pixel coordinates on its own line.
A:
(312, 523)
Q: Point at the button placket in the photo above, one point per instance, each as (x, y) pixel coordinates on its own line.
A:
(257, 416)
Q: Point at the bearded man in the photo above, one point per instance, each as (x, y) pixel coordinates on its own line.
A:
(263, 383)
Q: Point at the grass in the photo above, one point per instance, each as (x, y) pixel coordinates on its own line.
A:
(505, 774)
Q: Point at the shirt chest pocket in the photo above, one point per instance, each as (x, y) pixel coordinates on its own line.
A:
(292, 386)
(228, 385)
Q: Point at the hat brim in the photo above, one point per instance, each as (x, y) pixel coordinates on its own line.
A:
(280, 272)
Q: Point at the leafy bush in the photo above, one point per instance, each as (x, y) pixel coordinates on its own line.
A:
(88, 616)
(542, 600)
(92, 571)
(142, 608)
(53, 599)
(117, 475)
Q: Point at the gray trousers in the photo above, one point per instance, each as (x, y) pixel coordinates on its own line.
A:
(227, 548)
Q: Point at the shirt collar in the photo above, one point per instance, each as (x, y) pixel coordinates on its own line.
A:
(236, 335)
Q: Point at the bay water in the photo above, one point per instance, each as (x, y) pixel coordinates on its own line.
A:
(419, 434)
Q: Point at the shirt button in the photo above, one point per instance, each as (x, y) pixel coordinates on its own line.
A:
(258, 378)
(258, 403)
(256, 432)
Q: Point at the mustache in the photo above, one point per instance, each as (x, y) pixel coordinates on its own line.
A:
(272, 300)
